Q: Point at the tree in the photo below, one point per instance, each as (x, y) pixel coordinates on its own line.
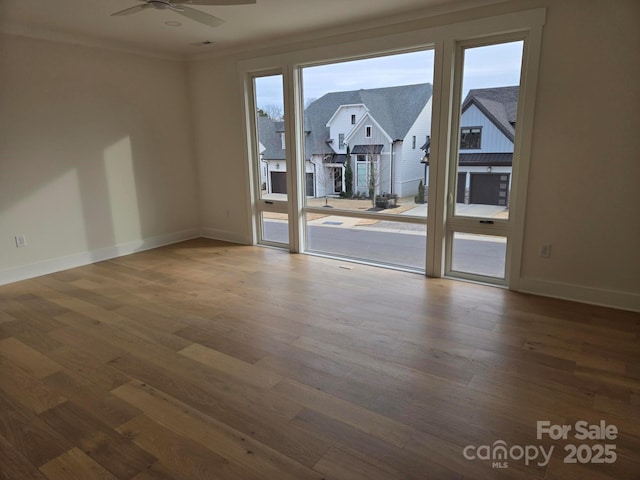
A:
(274, 112)
(348, 175)
(327, 176)
(374, 177)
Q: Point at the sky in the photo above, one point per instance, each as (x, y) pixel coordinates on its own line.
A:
(490, 66)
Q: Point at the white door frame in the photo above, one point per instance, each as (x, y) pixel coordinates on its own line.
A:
(445, 145)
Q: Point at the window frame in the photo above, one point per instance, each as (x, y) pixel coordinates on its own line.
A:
(479, 128)
(443, 38)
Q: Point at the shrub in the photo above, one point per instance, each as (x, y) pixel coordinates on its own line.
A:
(420, 197)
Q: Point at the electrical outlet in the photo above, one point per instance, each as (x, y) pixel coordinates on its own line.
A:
(545, 250)
(21, 241)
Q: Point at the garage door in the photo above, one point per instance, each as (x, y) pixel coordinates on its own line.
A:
(462, 185)
(278, 182)
(310, 185)
(489, 188)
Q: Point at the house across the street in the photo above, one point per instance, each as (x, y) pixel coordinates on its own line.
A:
(385, 132)
(487, 133)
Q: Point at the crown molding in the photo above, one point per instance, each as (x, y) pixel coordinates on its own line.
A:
(346, 31)
(39, 33)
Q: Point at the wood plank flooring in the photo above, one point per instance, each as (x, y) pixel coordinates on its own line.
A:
(206, 360)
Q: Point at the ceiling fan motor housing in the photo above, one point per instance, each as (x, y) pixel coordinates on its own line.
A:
(159, 4)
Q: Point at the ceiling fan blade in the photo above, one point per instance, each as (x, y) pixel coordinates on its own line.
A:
(199, 16)
(129, 11)
(213, 2)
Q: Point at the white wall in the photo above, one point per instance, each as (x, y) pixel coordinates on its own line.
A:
(585, 168)
(410, 170)
(95, 155)
(223, 178)
(341, 123)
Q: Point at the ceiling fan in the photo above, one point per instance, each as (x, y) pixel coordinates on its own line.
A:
(178, 6)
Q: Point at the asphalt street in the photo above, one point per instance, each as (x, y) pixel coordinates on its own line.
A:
(394, 247)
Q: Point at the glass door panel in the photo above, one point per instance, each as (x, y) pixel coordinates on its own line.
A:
(270, 161)
(482, 255)
(484, 139)
(487, 129)
(275, 227)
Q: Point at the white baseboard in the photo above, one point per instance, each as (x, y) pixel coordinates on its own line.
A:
(226, 236)
(25, 272)
(580, 293)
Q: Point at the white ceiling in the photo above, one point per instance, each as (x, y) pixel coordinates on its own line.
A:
(89, 21)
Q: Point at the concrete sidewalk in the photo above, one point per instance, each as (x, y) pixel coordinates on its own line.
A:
(487, 211)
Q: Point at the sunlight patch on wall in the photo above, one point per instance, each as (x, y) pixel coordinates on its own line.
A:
(121, 185)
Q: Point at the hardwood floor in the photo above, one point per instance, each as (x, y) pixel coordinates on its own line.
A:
(206, 360)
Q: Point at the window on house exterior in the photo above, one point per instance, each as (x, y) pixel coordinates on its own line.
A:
(341, 141)
(353, 119)
(367, 131)
(470, 138)
(284, 145)
(413, 142)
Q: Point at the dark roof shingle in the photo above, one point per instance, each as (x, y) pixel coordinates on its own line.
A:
(394, 108)
(499, 104)
(269, 137)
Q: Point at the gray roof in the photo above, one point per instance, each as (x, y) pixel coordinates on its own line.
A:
(499, 104)
(394, 108)
(269, 136)
(489, 159)
(337, 158)
(367, 149)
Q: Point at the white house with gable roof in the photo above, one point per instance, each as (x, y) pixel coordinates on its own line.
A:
(381, 130)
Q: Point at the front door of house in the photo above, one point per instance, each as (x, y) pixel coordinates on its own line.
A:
(337, 180)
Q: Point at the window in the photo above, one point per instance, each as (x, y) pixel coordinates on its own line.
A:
(341, 141)
(313, 77)
(470, 138)
(353, 119)
(284, 143)
(413, 142)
